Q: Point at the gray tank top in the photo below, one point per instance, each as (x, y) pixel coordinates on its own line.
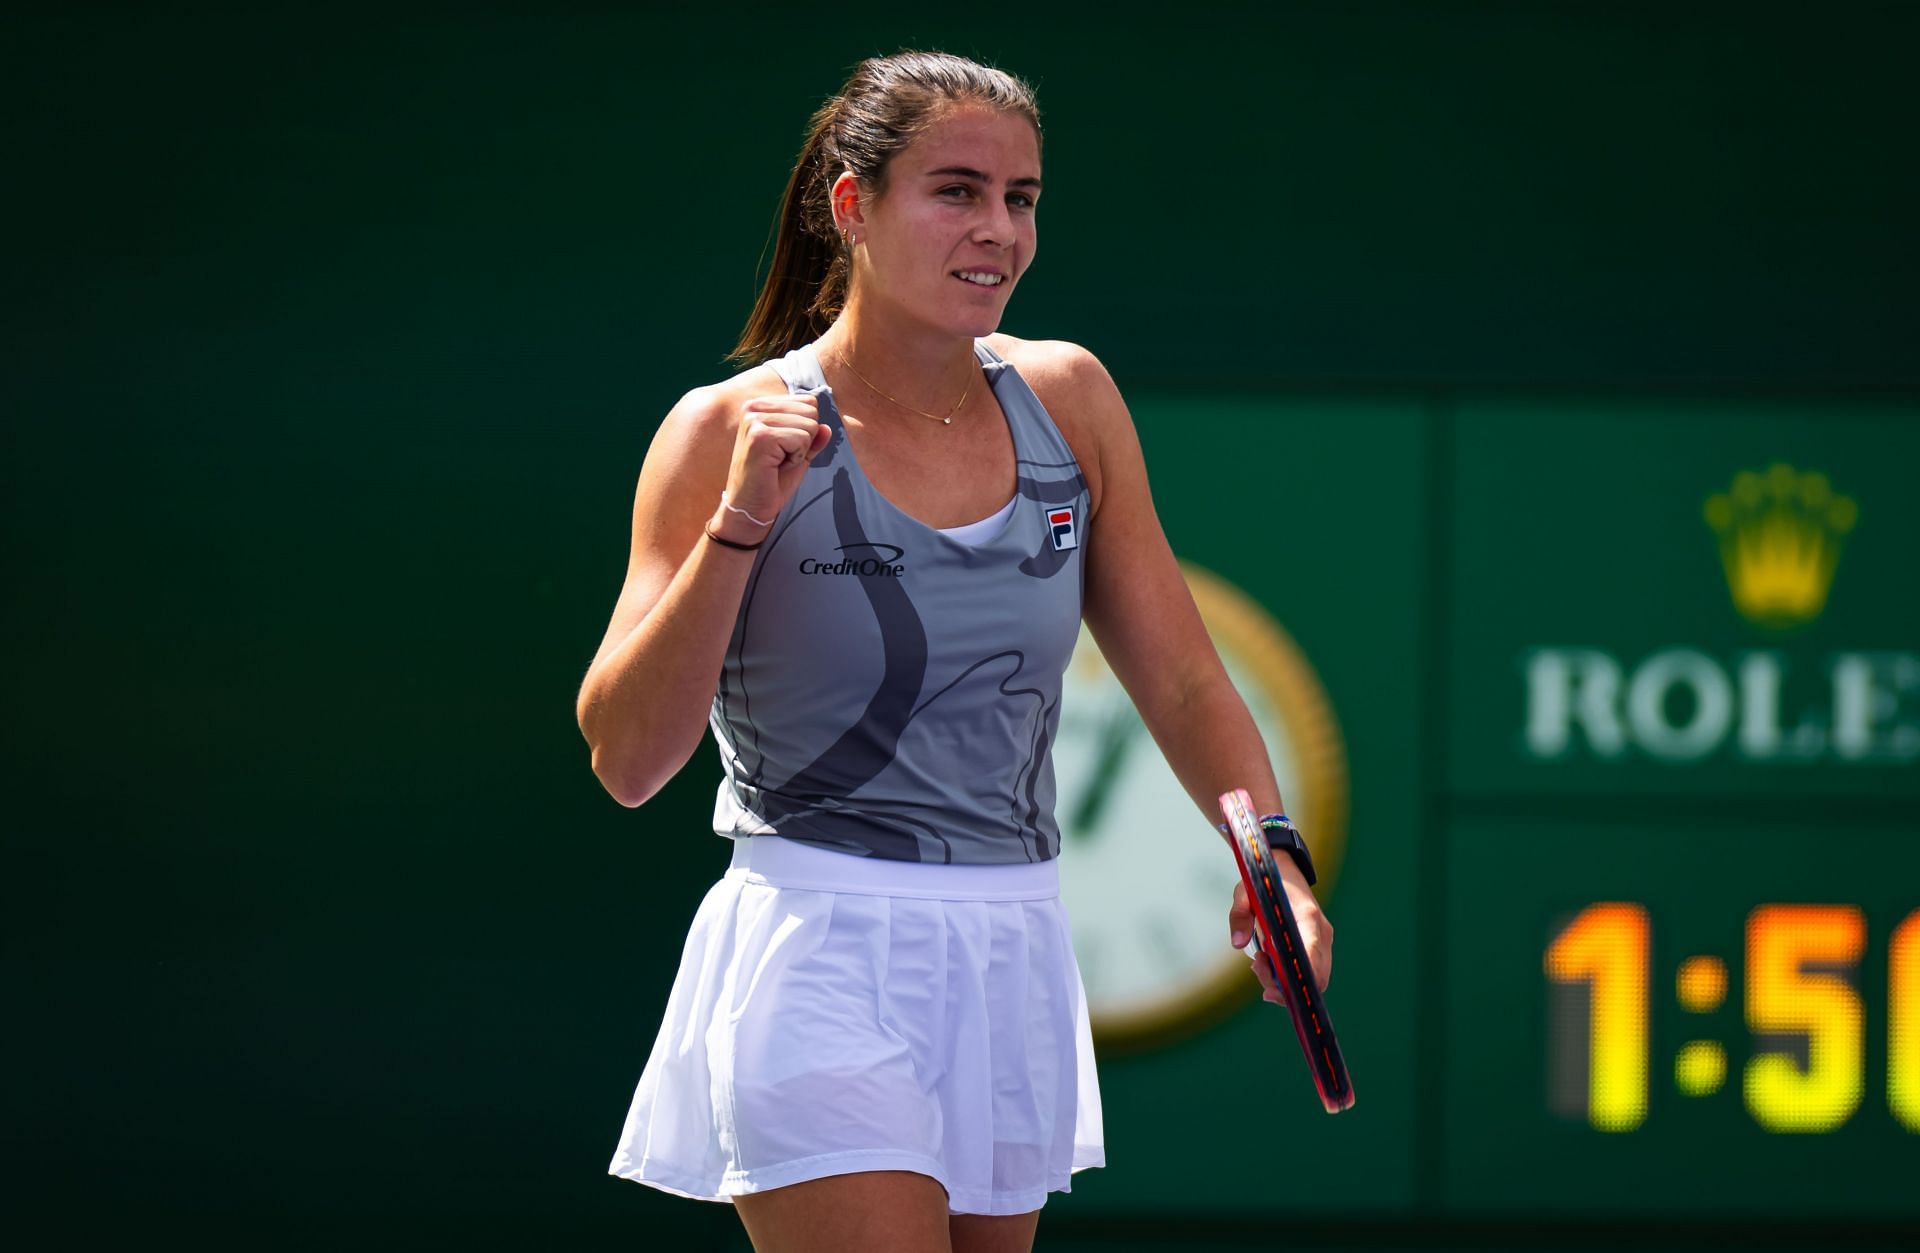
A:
(890, 691)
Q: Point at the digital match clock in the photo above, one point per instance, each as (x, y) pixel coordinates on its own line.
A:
(1803, 1008)
(1684, 1011)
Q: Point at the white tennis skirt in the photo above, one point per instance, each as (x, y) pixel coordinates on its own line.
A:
(835, 1013)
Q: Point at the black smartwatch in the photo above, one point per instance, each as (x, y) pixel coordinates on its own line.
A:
(1284, 837)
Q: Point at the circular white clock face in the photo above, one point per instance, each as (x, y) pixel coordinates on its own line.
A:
(1146, 879)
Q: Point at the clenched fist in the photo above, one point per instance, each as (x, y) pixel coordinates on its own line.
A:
(777, 438)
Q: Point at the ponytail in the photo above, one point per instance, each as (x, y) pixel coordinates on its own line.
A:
(886, 103)
(807, 283)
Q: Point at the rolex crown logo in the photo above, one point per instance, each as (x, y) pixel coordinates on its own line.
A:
(1780, 536)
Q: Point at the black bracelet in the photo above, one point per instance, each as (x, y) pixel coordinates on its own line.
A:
(727, 543)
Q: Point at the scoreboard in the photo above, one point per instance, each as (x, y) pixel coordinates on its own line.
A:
(1605, 710)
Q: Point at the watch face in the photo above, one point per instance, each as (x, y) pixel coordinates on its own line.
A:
(1147, 878)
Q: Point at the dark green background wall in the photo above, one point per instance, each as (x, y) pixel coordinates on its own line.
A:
(333, 344)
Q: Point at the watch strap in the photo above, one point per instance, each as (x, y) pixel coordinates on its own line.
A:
(1283, 836)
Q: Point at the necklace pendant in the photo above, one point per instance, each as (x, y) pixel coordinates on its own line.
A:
(948, 421)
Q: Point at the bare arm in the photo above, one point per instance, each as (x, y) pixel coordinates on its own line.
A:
(643, 704)
(1142, 615)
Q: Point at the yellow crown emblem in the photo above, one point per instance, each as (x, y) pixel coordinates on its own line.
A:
(1780, 541)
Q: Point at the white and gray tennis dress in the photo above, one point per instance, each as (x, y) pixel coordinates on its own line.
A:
(883, 979)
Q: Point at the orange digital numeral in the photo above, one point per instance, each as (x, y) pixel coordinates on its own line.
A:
(1903, 1023)
(1785, 997)
(1606, 947)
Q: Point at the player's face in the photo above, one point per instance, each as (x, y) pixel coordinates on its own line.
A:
(947, 240)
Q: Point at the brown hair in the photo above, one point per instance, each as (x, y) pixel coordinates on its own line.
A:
(882, 108)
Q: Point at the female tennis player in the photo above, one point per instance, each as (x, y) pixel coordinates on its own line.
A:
(864, 562)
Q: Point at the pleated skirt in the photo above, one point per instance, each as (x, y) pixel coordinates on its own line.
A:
(834, 1013)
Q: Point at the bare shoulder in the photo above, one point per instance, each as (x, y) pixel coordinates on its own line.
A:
(1080, 395)
(1058, 366)
(710, 413)
(686, 464)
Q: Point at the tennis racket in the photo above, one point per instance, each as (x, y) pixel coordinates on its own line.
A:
(1276, 936)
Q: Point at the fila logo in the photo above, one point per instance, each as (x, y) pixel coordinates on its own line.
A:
(1060, 522)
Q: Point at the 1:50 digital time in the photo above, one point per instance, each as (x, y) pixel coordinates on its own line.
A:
(1799, 989)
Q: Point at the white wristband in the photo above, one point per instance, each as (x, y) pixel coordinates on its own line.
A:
(731, 507)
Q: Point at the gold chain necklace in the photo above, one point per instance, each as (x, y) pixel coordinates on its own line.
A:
(946, 421)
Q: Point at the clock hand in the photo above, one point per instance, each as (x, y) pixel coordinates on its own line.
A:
(1116, 737)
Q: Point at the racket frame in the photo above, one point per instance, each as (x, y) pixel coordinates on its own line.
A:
(1276, 936)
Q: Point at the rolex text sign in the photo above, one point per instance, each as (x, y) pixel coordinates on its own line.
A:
(1689, 596)
(1681, 705)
